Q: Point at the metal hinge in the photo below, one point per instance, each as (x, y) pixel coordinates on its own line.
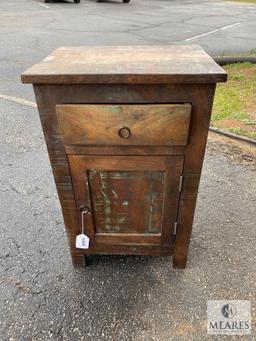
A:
(181, 183)
(175, 229)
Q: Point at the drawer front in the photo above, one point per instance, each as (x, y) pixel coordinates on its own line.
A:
(134, 125)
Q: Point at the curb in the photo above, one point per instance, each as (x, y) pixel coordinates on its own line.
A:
(233, 136)
(234, 60)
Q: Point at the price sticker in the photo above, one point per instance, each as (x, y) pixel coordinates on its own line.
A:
(82, 241)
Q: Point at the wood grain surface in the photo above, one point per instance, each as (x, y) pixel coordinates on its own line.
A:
(121, 76)
(131, 199)
(201, 98)
(126, 64)
(161, 125)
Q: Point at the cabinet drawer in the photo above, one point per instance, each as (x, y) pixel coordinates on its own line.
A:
(134, 125)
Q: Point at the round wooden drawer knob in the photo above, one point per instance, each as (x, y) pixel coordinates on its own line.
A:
(124, 133)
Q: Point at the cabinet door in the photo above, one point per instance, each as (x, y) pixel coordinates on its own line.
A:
(130, 199)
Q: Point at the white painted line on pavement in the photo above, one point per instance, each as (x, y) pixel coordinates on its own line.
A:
(213, 31)
(43, 5)
(18, 100)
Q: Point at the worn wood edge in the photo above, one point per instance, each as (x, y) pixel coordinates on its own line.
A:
(126, 238)
(128, 150)
(27, 78)
(128, 249)
(65, 106)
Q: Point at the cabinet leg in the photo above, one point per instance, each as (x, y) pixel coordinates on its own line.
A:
(179, 261)
(87, 260)
(185, 222)
(182, 245)
(79, 260)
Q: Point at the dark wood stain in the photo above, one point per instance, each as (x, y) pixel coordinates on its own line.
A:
(144, 174)
(127, 202)
(130, 198)
(126, 64)
(162, 125)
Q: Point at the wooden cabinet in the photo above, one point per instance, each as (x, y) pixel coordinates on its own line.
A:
(126, 129)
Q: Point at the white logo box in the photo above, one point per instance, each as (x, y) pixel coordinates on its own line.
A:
(230, 317)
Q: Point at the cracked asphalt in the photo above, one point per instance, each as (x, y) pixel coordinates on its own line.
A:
(42, 297)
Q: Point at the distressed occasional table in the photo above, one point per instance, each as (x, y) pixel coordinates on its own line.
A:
(126, 130)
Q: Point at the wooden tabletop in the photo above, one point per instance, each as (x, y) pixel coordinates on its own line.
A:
(126, 64)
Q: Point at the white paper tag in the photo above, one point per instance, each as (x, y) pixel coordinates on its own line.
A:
(82, 241)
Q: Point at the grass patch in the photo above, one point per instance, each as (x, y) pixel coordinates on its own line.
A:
(235, 101)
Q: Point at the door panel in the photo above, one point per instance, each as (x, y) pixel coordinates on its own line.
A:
(127, 201)
(132, 199)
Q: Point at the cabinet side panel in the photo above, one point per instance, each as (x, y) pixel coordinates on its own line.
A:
(202, 101)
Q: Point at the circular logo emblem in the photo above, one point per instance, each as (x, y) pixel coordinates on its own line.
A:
(228, 310)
